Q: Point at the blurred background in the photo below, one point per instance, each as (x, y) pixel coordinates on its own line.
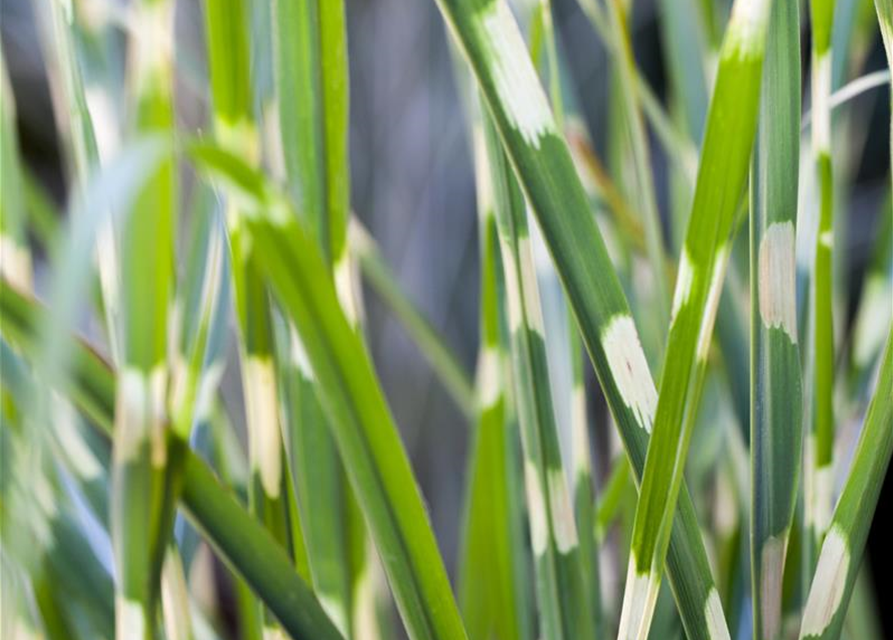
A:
(412, 185)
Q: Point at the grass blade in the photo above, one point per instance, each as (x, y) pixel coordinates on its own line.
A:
(776, 401)
(140, 513)
(70, 95)
(492, 574)
(367, 439)
(642, 183)
(560, 588)
(728, 139)
(844, 544)
(489, 37)
(15, 256)
(312, 80)
(376, 462)
(820, 444)
(243, 543)
(234, 126)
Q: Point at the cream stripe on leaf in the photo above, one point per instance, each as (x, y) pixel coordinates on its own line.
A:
(548, 178)
(559, 579)
(722, 175)
(845, 540)
(776, 420)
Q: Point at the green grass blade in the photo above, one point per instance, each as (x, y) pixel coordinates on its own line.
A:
(243, 543)
(489, 37)
(492, 587)
(360, 420)
(725, 157)
(560, 588)
(312, 82)
(367, 439)
(776, 399)
(844, 543)
(582, 488)
(820, 443)
(139, 509)
(226, 27)
(358, 415)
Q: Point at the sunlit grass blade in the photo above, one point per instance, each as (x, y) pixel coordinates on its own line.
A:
(243, 543)
(722, 175)
(492, 586)
(776, 400)
(431, 344)
(844, 542)
(489, 37)
(175, 597)
(140, 509)
(820, 443)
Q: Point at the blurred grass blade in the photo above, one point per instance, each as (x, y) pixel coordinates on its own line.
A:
(722, 175)
(844, 543)
(433, 347)
(227, 29)
(776, 401)
(59, 27)
(140, 513)
(492, 585)
(121, 183)
(40, 529)
(489, 37)
(312, 82)
(243, 543)
(560, 589)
